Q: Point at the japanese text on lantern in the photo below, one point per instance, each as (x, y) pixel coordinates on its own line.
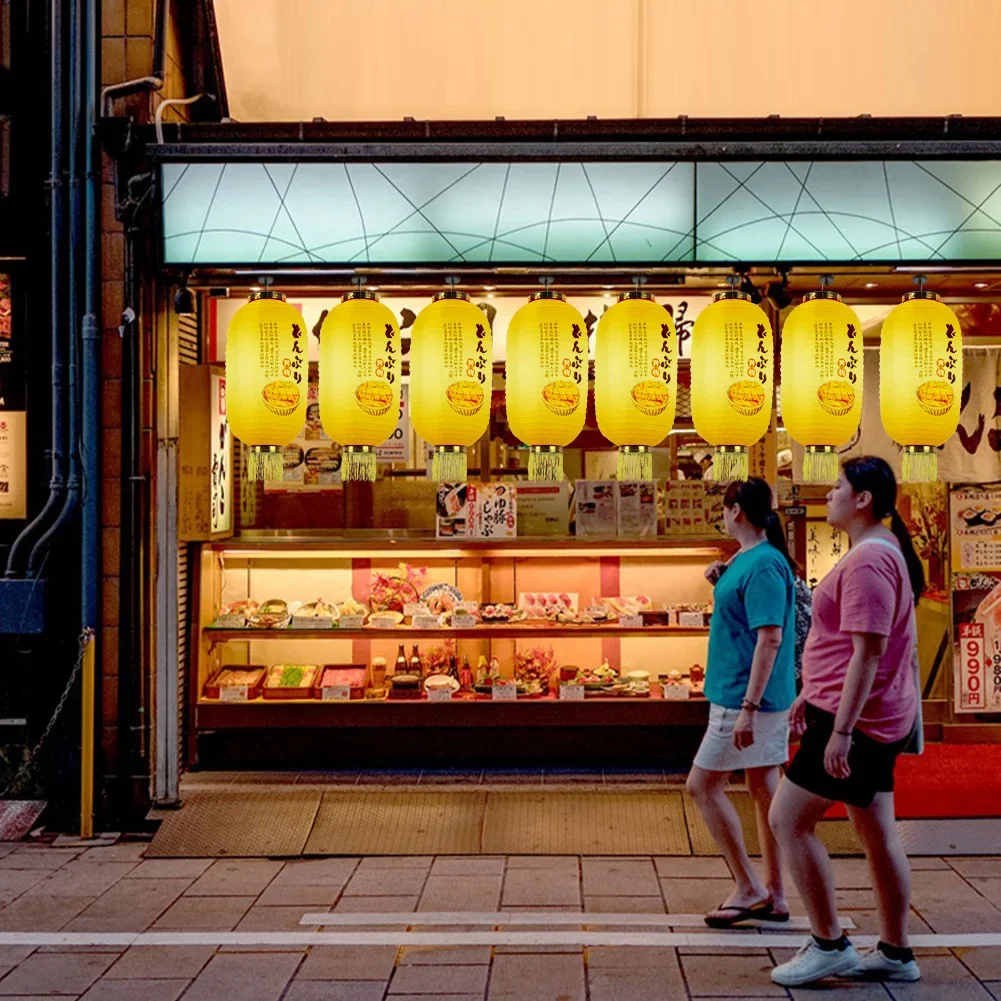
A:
(578, 351)
(851, 363)
(823, 349)
(361, 349)
(662, 364)
(759, 364)
(947, 366)
(549, 349)
(386, 367)
(638, 350)
(452, 340)
(268, 358)
(294, 364)
(480, 365)
(733, 349)
(923, 360)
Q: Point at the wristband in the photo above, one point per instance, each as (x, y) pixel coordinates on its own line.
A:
(750, 706)
(843, 733)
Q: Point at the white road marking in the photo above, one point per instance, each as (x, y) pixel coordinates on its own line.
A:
(514, 918)
(735, 939)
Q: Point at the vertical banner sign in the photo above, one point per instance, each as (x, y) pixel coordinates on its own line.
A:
(13, 431)
(221, 517)
(976, 616)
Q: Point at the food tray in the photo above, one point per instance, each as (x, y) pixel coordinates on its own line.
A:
(658, 617)
(357, 688)
(405, 694)
(286, 694)
(211, 689)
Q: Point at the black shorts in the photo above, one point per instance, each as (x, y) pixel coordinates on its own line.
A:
(871, 763)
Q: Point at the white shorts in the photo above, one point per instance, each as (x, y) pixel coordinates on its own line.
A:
(717, 752)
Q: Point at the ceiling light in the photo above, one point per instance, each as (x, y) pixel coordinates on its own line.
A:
(607, 295)
(488, 288)
(606, 286)
(871, 284)
(980, 284)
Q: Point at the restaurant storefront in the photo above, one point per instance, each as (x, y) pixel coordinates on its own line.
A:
(498, 620)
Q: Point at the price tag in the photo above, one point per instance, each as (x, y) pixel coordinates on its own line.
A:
(673, 690)
(571, 693)
(462, 620)
(631, 621)
(336, 693)
(414, 608)
(439, 694)
(350, 621)
(468, 606)
(316, 622)
(233, 693)
(691, 619)
(229, 622)
(426, 621)
(504, 691)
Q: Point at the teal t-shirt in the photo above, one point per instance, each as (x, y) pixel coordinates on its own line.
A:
(755, 590)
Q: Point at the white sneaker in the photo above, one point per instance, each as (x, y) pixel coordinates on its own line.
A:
(876, 965)
(813, 963)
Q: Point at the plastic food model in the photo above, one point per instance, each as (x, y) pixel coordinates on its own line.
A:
(291, 676)
(535, 665)
(392, 590)
(270, 614)
(318, 609)
(352, 607)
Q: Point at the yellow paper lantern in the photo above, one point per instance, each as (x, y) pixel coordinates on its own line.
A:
(546, 379)
(635, 381)
(920, 379)
(731, 379)
(451, 378)
(267, 374)
(359, 379)
(821, 380)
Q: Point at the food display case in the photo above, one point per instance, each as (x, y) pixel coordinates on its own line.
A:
(514, 633)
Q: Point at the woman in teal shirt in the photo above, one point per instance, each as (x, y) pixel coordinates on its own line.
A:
(750, 684)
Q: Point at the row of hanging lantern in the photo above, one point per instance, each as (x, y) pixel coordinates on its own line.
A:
(635, 379)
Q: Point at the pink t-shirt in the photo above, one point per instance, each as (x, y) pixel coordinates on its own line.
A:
(867, 592)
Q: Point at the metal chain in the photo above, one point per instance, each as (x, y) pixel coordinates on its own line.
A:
(85, 636)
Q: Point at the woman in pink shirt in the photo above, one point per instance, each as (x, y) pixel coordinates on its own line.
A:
(857, 710)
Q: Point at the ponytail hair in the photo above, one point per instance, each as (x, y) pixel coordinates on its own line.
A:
(870, 472)
(754, 496)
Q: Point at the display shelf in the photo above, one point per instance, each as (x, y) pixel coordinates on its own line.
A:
(544, 712)
(518, 631)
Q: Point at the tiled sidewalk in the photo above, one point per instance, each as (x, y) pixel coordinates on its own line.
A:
(114, 889)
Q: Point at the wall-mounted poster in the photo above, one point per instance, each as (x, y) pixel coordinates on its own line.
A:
(976, 619)
(975, 519)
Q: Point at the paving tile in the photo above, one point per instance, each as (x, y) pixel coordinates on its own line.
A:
(439, 980)
(989, 888)
(12, 955)
(235, 878)
(348, 962)
(922, 862)
(202, 914)
(130, 905)
(468, 865)
(273, 919)
(265, 778)
(41, 913)
(434, 955)
(13, 882)
(849, 874)
(632, 985)
(943, 978)
(949, 904)
(332, 990)
(540, 949)
(995, 989)
(842, 991)
(450, 776)
(628, 957)
(55, 973)
(733, 976)
(389, 778)
(158, 963)
(695, 867)
(461, 893)
(624, 905)
(424, 997)
(327, 778)
(568, 863)
(867, 923)
(123, 851)
(135, 990)
(621, 877)
(694, 896)
(301, 896)
(247, 977)
(541, 887)
(315, 872)
(552, 978)
(984, 868)
(170, 868)
(373, 905)
(39, 858)
(80, 879)
(395, 862)
(385, 882)
(984, 963)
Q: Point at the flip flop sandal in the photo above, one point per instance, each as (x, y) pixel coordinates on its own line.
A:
(778, 916)
(759, 911)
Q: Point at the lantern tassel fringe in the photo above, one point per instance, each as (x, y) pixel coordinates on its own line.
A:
(820, 466)
(545, 465)
(360, 465)
(635, 465)
(264, 465)
(448, 465)
(919, 466)
(729, 465)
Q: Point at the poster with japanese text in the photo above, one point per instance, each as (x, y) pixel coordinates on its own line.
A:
(976, 623)
(975, 523)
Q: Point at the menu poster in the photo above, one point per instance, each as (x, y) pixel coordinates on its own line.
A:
(494, 510)
(976, 618)
(975, 522)
(636, 507)
(543, 509)
(452, 511)
(693, 507)
(595, 507)
(13, 465)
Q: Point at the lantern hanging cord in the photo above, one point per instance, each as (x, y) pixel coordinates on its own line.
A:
(920, 280)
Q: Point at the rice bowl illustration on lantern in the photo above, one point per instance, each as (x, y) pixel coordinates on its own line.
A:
(935, 397)
(837, 397)
(465, 397)
(746, 396)
(374, 396)
(281, 397)
(561, 397)
(651, 397)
